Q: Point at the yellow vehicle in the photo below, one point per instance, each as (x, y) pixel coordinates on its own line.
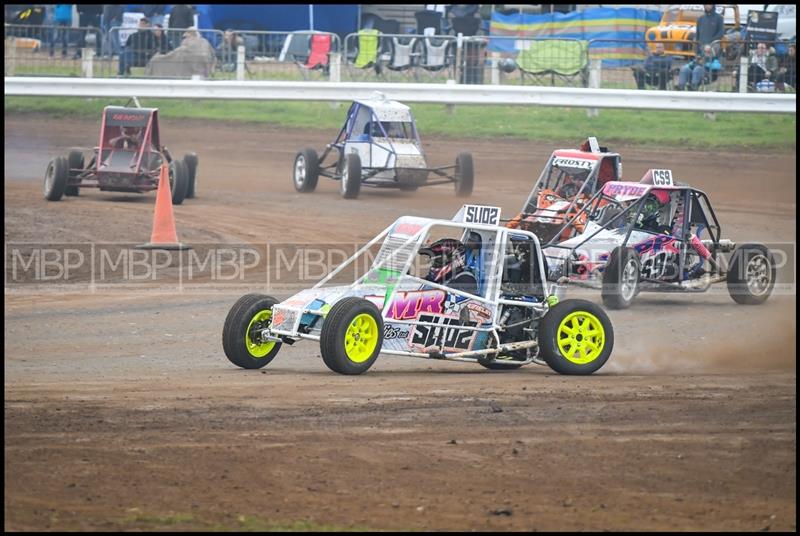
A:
(677, 30)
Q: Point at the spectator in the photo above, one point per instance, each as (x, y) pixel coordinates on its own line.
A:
(226, 52)
(62, 17)
(181, 18)
(703, 69)
(194, 57)
(710, 28)
(88, 17)
(763, 65)
(656, 70)
(787, 70)
(160, 38)
(112, 17)
(139, 48)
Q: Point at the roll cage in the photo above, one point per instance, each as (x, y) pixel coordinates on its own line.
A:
(591, 157)
(391, 269)
(609, 211)
(380, 131)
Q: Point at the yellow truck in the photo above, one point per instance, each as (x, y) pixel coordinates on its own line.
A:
(678, 25)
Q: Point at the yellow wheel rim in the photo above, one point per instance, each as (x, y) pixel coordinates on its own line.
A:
(581, 337)
(258, 350)
(361, 338)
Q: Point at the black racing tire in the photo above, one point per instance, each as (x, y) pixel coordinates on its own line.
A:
(464, 174)
(55, 179)
(190, 162)
(621, 278)
(351, 176)
(239, 348)
(74, 161)
(564, 352)
(751, 274)
(305, 173)
(178, 181)
(348, 322)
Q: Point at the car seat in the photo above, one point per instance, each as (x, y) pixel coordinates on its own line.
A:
(474, 258)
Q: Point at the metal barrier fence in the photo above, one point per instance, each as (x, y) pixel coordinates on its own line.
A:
(47, 50)
(776, 70)
(537, 61)
(728, 68)
(404, 92)
(301, 55)
(161, 53)
(374, 56)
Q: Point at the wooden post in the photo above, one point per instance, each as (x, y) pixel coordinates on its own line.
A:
(12, 57)
(87, 62)
(335, 62)
(495, 69)
(240, 62)
(595, 79)
(743, 74)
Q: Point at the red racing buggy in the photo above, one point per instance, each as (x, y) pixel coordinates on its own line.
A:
(128, 159)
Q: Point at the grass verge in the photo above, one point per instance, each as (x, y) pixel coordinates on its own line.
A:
(644, 128)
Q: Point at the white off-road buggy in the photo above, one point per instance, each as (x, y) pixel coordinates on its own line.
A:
(378, 146)
(498, 309)
(656, 235)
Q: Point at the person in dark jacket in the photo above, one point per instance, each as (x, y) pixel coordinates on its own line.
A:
(787, 70)
(181, 17)
(710, 28)
(139, 48)
(656, 70)
(160, 37)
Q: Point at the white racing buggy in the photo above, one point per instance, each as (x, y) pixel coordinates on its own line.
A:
(656, 235)
(378, 146)
(484, 298)
(569, 179)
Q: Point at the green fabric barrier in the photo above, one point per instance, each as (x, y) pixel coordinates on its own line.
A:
(554, 55)
(367, 48)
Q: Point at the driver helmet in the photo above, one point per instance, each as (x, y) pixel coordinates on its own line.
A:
(571, 184)
(653, 203)
(448, 258)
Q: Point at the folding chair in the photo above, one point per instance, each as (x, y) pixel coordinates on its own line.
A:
(401, 55)
(558, 58)
(367, 49)
(434, 54)
(319, 54)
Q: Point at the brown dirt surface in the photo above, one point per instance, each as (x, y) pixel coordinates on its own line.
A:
(122, 412)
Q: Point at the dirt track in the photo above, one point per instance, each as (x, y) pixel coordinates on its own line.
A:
(121, 411)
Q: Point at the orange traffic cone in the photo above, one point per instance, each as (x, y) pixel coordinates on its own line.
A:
(164, 235)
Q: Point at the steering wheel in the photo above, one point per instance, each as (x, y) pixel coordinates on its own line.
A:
(119, 143)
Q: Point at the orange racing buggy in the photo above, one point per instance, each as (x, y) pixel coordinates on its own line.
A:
(569, 179)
